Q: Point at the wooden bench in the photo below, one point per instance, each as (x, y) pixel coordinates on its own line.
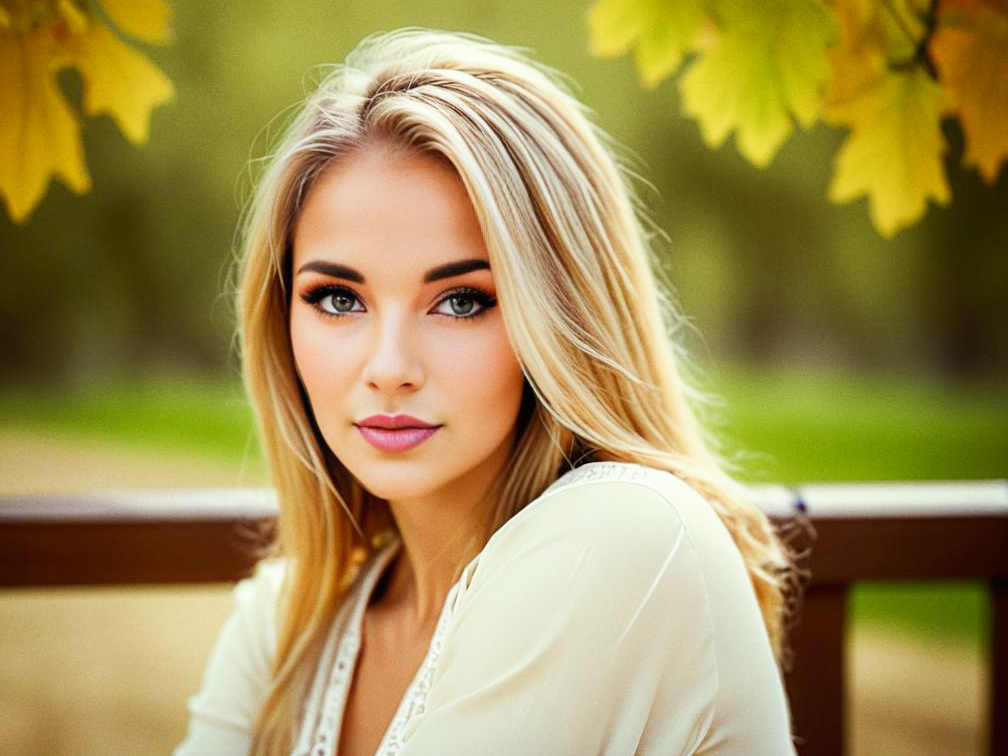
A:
(853, 533)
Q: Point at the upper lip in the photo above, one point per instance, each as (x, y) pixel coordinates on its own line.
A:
(393, 422)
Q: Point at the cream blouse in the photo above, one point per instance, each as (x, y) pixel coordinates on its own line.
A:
(612, 615)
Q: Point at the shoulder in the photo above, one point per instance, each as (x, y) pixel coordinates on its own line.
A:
(238, 673)
(628, 479)
(604, 559)
(265, 583)
(635, 561)
(621, 504)
(255, 617)
(607, 526)
(260, 593)
(621, 530)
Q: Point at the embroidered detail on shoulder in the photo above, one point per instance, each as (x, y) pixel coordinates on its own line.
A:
(627, 471)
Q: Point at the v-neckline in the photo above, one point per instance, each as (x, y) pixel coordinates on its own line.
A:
(330, 690)
(327, 700)
(355, 628)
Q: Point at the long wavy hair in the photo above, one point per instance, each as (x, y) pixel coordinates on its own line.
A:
(563, 229)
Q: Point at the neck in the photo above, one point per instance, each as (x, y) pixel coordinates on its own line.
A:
(439, 534)
(441, 531)
(433, 548)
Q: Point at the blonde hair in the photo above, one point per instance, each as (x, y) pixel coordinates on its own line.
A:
(558, 215)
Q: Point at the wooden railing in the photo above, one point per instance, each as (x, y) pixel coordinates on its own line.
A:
(852, 532)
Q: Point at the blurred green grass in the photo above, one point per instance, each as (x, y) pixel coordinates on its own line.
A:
(803, 426)
(186, 414)
(793, 426)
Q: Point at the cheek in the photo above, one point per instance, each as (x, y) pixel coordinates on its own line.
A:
(490, 377)
(320, 367)
(306, 356)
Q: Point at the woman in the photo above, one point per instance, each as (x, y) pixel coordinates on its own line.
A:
(501, 530)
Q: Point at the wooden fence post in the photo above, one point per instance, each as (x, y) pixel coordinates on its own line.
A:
(999, 666)
(817, 684)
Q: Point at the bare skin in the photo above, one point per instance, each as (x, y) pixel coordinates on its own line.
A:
(391, 653)
(393, 311)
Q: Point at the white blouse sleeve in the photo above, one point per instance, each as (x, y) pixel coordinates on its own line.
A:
(587, 628)
(238, 673)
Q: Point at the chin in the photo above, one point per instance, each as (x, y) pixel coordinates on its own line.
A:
(396, 481)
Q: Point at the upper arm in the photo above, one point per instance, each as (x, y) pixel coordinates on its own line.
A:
(581, 615)
(237, 676)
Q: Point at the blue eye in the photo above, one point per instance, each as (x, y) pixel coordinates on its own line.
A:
(465, 303)
(333, 300)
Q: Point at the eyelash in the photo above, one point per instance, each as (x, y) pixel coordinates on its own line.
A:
(316, 294)
(484, 299)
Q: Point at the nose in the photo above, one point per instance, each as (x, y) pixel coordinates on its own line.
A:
(393, 365)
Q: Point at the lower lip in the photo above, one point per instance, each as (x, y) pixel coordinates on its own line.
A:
(399, 439)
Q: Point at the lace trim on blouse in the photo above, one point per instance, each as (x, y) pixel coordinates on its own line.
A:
(323, 715)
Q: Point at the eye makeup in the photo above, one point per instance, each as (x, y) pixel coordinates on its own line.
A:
(316, 296)
(483, 299)
(342, 301)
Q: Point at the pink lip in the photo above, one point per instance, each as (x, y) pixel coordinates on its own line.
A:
(395, 433)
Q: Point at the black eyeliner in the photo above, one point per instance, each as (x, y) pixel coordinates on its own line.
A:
(316, 294)
(484, 299)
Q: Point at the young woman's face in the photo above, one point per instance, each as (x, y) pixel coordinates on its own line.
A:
(396, 331)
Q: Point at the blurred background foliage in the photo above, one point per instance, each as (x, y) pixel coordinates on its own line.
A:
(130, 278)
(841, 355)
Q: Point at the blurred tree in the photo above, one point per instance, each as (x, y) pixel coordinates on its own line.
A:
(886, 71)
(964, 277)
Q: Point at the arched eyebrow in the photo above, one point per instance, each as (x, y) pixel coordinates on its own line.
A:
(332, 269)
(447, 270)
(455, 269)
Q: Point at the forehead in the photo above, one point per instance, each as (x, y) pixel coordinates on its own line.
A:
(382, 207)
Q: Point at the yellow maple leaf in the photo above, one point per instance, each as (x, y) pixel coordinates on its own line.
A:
(663, 30)
(970, 50)
(118, 80)
(857, 59)
(893, 153)
(148, 20)
(767, 66)
(39, 134)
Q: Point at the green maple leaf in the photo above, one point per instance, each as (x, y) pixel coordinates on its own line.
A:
(766, 67)
(663, 30)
